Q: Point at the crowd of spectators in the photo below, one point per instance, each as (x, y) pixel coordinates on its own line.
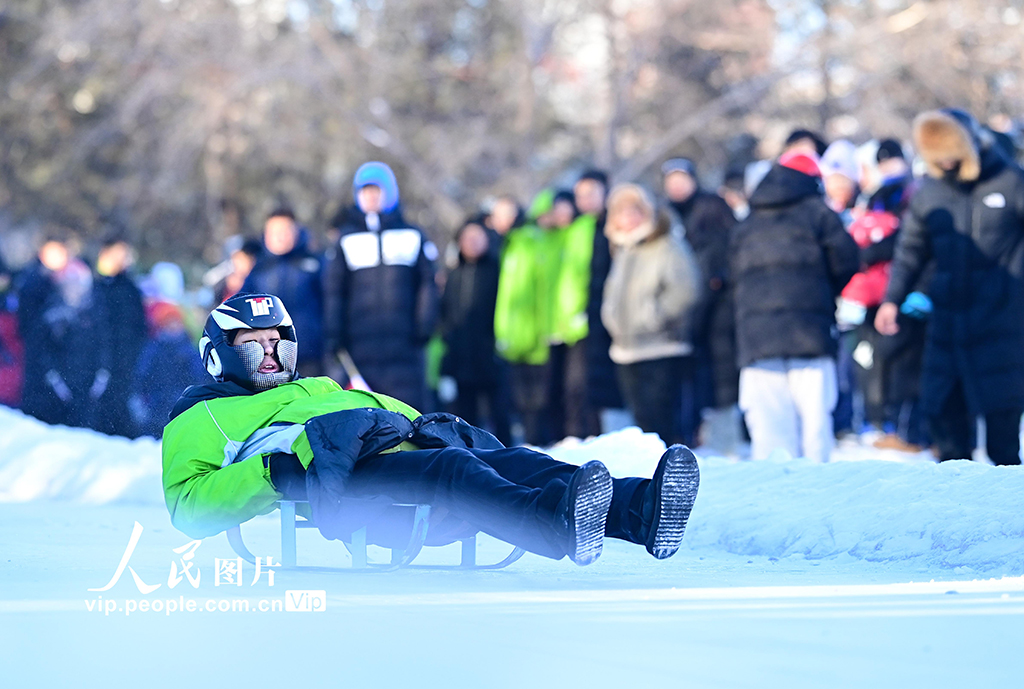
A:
(823, 292)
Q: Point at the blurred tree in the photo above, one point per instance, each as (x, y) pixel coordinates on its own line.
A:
(184, 121)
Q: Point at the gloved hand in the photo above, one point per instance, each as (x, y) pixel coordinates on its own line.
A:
(58, 385)
(99, 384)
(917, 305)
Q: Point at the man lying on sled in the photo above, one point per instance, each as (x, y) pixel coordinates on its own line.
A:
(259, 434)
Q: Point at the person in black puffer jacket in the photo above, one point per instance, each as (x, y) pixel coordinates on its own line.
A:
(287, 267)
(380, 295)
(968, 218)
(707, 219)
(789, 260)
(467, 326)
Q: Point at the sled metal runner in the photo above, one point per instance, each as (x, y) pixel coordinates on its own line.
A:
(401, 558)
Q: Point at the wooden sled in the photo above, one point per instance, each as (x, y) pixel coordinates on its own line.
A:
(400, 557)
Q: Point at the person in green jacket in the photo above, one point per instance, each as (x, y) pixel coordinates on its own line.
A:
(523, 314)
(260, 434)
(571, 394)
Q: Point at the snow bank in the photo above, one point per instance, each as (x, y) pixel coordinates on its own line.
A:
(38, 461)
(951, 515)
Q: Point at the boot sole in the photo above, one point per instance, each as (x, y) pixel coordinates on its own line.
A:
(677, 492)
(590, 512)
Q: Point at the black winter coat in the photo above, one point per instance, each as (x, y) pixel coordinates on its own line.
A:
(707, 221)
(126, 323)
(467, 323)
(602, 383)
(295, 278)
(789, 260)
(35, 287)
(73, 342)
(381, 302)
(974, 233)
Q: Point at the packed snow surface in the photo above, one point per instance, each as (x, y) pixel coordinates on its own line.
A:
(956, 514)
(878, 569)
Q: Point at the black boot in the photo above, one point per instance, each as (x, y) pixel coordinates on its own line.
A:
(584, 510)
(668, 500)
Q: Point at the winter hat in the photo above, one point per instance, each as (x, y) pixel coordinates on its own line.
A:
(167, 281)
(941, 135)
(801, 162)
(840, 159)
(599, 176)
(542, 203)
(566, 196)
(798, 134)
(679, 165)
(889, 148)
(380, 175)
(165, 315)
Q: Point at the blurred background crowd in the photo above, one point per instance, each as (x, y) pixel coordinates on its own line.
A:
(607, 212)
(711, 316)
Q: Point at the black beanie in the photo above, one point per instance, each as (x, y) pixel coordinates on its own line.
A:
(599, 176)
(564, 195)
(889, 148)
(819, 144)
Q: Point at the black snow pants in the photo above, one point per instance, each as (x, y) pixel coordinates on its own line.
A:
(653, 390)
(953, 431)
(570, 412)
(529, 387)
(511, 493)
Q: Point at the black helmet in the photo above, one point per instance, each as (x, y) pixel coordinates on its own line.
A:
(240, 363)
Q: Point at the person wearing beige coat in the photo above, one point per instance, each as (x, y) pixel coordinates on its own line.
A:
(649, 297)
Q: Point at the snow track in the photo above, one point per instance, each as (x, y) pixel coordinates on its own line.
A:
(963, 517)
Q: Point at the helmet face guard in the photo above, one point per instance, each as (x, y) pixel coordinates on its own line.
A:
(251, 356)
(240, 363)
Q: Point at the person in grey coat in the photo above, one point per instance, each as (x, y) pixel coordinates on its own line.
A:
(649, 296)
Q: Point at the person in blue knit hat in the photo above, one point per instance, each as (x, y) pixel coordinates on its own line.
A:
(381, 300)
